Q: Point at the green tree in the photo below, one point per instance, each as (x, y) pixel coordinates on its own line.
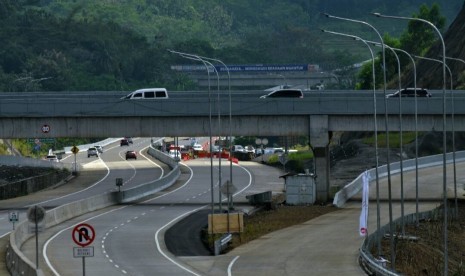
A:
(417, 39)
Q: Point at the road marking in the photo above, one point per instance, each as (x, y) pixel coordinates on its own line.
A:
(44, 250)
(164, 254)
(231, 265)
(80, 191)
(47, 243)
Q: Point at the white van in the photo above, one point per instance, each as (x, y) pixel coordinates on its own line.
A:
(148, 94)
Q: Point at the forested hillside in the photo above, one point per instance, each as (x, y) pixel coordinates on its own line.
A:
(59, 45)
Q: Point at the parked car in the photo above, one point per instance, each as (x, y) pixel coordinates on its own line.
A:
(284, 93)
(124, 142)
(250, 148)
(131, 154)
(99, 149)
(215, 149)
(92, 152)
(129, 140)
(238, 148)
(410, 92)
(197, 147)
(147, 94)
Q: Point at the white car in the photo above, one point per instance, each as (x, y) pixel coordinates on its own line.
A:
(147, 94)
(197, 147)
(99, 149)
(52, 158)
(238, 148)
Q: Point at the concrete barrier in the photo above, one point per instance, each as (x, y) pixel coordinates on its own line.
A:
(260, 198)
(147, 189)
(17, 263)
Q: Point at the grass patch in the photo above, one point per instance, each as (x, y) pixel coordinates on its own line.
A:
(265, 222)
(394, 139)
(296, 160)
(273, 217)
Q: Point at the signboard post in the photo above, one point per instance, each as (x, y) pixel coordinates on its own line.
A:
(14, 217)
(75, 151)
(36, 214)
(83, 235)
(119, 183)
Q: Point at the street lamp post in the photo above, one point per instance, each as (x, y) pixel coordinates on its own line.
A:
(19, 80)
(378, 212)
(453, 137)
(206, 64)
(443, 124)
(386, 124)
(401, 136)
(230, 202)
(416, 130)
(329, 73)
(452, 126)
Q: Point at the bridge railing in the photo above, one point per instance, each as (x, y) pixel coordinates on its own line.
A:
(376, 266)
(356, 185)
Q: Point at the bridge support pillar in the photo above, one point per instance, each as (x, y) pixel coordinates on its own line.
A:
(319, 140)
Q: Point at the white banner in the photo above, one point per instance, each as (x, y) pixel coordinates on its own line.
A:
(363, 230)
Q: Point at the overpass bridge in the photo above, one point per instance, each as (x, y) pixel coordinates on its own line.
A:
(200, 113)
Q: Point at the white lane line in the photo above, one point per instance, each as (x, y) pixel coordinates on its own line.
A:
(44, 250)
(47, 243)
(231, 265)
(80, 191)
(157, 241)
(148, 159)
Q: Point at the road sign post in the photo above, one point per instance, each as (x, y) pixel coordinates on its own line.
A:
(119, 183)
(36, 215)
(75, 151)
(83, 235)
(14, 217)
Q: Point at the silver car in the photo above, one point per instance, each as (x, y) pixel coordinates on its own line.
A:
(92, 152)
(99, 149)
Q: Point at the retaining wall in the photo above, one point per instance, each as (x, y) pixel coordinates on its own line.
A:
(33, 184)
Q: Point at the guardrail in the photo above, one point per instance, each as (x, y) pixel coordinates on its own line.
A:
(144, 190)
(18, 264)
(375, 266)
(222, 243)
(354, 187)
(369, 261)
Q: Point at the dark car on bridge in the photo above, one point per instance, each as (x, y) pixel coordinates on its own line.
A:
(284, 93)
(410, 92)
